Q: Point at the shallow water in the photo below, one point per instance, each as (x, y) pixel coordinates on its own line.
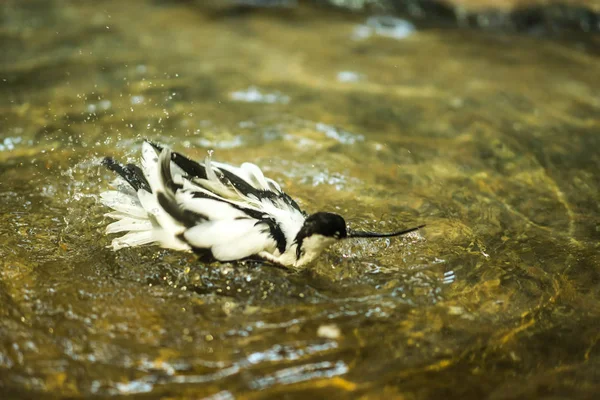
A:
(491, 140)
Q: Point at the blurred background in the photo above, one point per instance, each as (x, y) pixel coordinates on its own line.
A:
(479, 118)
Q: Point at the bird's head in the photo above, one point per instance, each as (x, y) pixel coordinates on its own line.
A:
(322, 229)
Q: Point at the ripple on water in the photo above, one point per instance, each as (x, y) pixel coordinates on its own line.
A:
(493, 166)
(386, 26)
(349, 76)
(301, 373)
(340, 135)
(9, 143)
(134, 387)
(255, 95)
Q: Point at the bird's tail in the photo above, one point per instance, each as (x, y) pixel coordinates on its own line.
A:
(136, 208)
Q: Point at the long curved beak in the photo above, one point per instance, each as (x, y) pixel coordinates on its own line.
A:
(365, 234)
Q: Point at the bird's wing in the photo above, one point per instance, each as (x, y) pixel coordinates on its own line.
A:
(218, 198)
(246, 183)
(220, 191)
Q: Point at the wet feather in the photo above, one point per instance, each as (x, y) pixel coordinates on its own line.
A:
(231, 213)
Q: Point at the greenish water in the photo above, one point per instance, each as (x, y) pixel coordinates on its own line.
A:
(491, 140)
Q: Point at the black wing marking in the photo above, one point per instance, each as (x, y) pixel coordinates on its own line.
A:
(167, 200)
(276, 233)
(197, 170)
(262, 218)
(194, 169)
(130, 172)
(165, 173)
(191, 168)
(191, 218)
(187, 218)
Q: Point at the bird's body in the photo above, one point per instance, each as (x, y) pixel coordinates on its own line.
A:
(227, 213)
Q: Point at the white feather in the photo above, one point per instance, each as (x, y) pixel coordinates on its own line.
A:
(230, 240)
(123, 187)
(256, 176)
(211, 208)
(289, 219)
(245, 172)
(129, 224)
(168, 240)
(122, 203)
(120, 215)
(133, 212)
(313, 246)
(166, 221)
(214, 184)
(133, 239)
(150, 166)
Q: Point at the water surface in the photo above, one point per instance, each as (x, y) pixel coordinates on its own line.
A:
(490, 139)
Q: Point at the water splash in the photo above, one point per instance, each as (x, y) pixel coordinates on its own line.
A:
(349, 76)
(9, 143)
(338, 134)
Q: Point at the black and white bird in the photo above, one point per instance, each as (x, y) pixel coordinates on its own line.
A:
(219, 211)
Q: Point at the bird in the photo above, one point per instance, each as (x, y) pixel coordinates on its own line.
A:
(220, 212)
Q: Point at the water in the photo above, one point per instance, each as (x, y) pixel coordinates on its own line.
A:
(489, 139)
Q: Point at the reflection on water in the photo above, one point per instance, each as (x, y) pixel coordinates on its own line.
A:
(385, 26)
(254, 95)
(490, 140)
